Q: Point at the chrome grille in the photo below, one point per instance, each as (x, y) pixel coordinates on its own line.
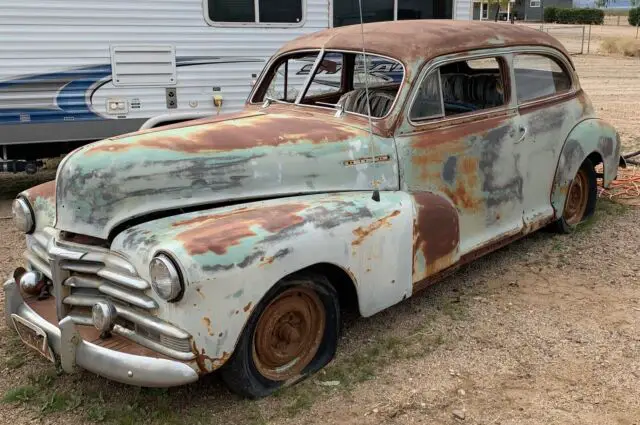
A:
(84, 275)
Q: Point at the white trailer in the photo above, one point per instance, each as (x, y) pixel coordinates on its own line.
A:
(75, 71)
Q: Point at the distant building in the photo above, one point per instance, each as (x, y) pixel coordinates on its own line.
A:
(523, 10)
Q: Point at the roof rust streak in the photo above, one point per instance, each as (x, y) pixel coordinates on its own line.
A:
(426, 39)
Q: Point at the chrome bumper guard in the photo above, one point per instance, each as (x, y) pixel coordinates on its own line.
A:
(66, 343)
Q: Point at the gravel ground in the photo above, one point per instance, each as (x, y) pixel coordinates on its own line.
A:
(545, 331)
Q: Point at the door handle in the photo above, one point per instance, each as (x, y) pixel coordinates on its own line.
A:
(524, 131)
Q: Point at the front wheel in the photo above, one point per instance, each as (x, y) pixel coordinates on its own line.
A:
(291, 334)
(581, 199)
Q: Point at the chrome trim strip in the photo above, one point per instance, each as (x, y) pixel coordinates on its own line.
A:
(83, 282)
(155, 346)
(149, 322)
(80, 266)
(128, 281)
(116, 262)
(38, 264)
(90, 300)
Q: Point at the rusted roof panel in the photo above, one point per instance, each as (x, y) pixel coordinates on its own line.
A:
(424, 39)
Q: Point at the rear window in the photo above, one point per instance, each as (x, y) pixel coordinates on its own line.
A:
(539, 76)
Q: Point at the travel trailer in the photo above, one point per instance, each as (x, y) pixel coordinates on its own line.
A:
(76, 71)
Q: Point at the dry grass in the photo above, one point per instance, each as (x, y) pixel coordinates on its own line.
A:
(621, 45)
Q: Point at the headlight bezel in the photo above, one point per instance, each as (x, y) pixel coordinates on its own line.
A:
(22, 205)
(175, 276)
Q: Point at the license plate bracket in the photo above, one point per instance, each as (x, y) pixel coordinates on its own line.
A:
(33, 336)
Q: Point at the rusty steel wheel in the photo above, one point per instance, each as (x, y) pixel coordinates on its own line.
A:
(581, 199)
(288, 334)
(291, 334)
(577, 198)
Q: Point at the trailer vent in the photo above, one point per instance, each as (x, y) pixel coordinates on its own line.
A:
(143, 65)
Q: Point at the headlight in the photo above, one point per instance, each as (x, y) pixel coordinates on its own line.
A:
(22, 215)
(165, 278)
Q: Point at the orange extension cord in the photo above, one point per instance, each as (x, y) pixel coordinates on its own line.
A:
(625, 187)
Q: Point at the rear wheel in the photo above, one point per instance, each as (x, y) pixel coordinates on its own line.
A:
(581, 199)
(291, 334)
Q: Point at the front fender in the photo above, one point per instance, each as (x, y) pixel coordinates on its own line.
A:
(587, 137)
(230, 257)
(42, 199)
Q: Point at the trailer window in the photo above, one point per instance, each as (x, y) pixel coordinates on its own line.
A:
(347, 12)
(255, 11)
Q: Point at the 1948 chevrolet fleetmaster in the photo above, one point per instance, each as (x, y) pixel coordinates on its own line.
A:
(233, 242)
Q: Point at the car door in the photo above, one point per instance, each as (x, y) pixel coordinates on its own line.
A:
(458, 140)
(548, 109)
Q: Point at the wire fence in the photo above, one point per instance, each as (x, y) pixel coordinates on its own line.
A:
(576, 38)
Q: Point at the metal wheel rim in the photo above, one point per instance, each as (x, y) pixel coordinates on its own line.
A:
(577, 198)
(288, 334)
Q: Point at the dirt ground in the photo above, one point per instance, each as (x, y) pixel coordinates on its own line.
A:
(544, 331)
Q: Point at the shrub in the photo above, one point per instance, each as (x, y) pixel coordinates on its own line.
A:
(624, 45)
(550, 14)
(574, 16)
(634, 16)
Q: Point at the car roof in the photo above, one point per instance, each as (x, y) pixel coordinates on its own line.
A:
(424, 39)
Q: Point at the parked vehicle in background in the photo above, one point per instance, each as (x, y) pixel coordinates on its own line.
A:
(235, 242)
(74, 71)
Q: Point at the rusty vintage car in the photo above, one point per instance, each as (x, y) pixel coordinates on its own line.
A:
(235, 242)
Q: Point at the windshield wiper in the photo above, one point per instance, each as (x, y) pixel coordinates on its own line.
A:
(269, 100)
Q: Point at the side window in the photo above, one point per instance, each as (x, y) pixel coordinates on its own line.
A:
(290, 77)
(428, 101)
(538, 76)
(244, 11)
(464, 86)
(328, 77)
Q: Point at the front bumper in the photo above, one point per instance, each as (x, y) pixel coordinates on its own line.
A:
(66, 343)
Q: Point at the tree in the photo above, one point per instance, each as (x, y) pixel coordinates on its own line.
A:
(606, 3)
(502, 5)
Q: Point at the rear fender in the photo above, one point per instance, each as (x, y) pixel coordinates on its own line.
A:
(589, 136)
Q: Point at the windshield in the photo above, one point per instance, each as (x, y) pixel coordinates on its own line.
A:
(335, 80)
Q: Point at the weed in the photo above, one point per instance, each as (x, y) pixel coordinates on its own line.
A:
(56, 403)
(302, 401)
(20, 394)
(97, 413)
(16, 361)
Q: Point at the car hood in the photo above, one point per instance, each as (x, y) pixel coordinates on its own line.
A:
(248, 155)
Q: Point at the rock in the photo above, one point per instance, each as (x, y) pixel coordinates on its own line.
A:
(423, 405)
(329, 383)
(375, 410)
(458, 414)
(461, 391)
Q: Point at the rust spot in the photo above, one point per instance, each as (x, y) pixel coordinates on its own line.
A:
(436, 234)
(361, 233)
(219, 232)
(280, 254)
(207, 323)
(202, 358)
(199, 292)
(45, 190)
(247, 307)
(236, 133)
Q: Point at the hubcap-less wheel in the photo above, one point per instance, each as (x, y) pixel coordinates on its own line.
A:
(288, 334)
(577, 198)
